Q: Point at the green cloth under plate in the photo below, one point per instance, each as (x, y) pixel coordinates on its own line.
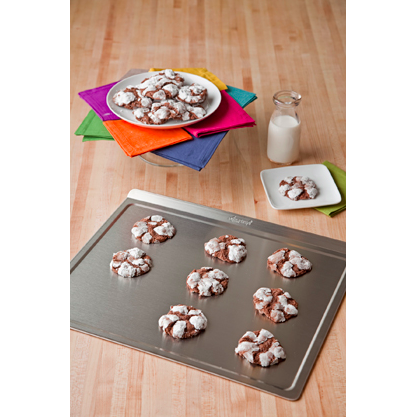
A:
(93, 129)
(339, 177)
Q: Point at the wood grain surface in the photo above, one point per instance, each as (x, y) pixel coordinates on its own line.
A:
(261, 46)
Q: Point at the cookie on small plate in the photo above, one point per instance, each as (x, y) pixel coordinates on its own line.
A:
(228, 248)
(131, 263)
(260, 348)
(288, 263)
(153, 229)
(207, 281)
(275, 304)
(183, 322)
(298, 188)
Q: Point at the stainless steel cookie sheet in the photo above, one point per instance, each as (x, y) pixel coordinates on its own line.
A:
(126, 311)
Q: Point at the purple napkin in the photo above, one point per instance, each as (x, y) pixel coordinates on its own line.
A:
(96, 98)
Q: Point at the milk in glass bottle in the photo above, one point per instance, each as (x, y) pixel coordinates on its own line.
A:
(284, 128)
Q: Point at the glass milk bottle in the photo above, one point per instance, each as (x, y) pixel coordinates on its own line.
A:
(284, 128)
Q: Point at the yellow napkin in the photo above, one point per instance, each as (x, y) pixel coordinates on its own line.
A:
(202, 72)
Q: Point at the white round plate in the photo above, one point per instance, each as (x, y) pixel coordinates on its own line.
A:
(212, 102)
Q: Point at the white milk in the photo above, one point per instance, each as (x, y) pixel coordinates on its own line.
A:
(283, 139)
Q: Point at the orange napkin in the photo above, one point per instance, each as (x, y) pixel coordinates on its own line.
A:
(136, 140)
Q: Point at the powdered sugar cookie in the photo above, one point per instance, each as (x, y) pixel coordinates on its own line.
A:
(183, 322)
(142, 114)
(260, 348)
(130, 263)
(127, 98)
(228, 248)
(275, 304)
(153, 229)
(207, 281)
(155, 87)
(298, 188)
(196, 112)
(173, 76)
(288, 263)
(192, 94)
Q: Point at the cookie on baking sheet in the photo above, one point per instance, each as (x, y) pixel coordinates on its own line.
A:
(275, 304)
(288, 263)
(192, 94)
(183, 322)
(298, 188)
(153, 229)
(260, 348)
(207, 281)
(131, 263)
(228, 248)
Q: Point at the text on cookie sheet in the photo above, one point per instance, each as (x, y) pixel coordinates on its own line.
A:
(235, 219)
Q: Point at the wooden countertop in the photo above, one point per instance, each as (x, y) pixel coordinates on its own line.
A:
(261, 46)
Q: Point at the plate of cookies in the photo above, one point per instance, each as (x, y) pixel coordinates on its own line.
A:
(301, 186)
(164, 100)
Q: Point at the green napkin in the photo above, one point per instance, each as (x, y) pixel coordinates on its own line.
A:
(93, 128)
(339, 177)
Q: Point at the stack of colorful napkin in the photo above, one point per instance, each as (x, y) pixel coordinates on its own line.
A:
(192, 147)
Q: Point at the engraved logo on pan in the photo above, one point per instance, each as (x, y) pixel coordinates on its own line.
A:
(235, 219)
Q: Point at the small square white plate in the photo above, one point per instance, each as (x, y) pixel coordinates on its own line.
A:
(328, 191)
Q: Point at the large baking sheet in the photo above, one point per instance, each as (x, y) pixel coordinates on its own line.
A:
(126, 311)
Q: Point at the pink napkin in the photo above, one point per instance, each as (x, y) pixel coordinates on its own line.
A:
(229, 115)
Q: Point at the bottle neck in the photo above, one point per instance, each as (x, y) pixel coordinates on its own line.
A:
(286, 111)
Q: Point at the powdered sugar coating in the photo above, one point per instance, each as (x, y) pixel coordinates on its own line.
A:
(288, 263)
(275, 304)
(183, 322)
(130, 263)
(298, 188)
(260, 348)
(153, 229)
(227, 248)
(192, 94)
(165, 88)
(121, 98)
(207, 281)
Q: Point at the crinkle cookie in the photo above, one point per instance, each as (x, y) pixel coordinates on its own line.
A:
(171, 75)
(156, 87)
(298, 188)
(142, 115)
(127, 98)
(227, 248)
(288, 263)
(260, 348)
(153, 229)
(180, 110)
(130, 263)
(275, 304)
(207, 281)
(196, 112)
(183, 322)
(192, 94)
